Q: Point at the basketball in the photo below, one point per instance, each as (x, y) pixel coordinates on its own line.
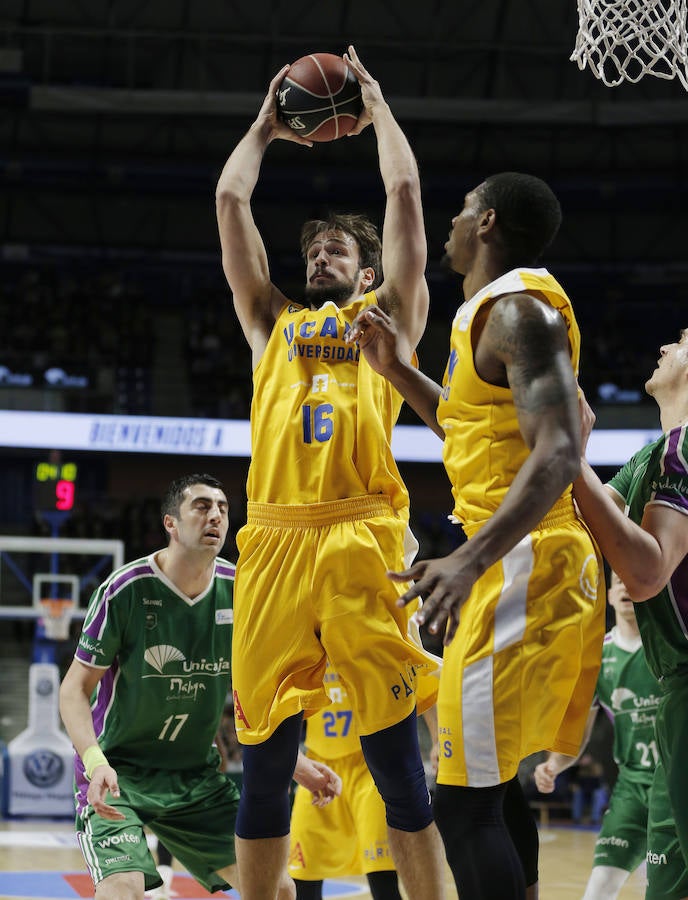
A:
(319, 98)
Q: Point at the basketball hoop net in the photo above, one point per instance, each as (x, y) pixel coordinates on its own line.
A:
(622, 40)
(57, 614)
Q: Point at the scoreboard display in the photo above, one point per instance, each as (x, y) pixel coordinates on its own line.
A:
(54, 486)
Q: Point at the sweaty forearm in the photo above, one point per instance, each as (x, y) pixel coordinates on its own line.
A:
(420, 392)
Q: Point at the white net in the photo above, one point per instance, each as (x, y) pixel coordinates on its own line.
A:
(56, 614)
(623, 40)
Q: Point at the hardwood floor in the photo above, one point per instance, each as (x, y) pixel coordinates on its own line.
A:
(43, 847)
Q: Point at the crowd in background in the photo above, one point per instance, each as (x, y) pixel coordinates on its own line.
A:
(113, 327)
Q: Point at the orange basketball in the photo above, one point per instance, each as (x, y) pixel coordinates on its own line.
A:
(319, 98)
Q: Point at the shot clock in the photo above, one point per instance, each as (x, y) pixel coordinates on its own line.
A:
(54, 486)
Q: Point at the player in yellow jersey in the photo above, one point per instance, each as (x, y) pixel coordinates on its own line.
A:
(348, 837)
(327, 509)
(522, 599)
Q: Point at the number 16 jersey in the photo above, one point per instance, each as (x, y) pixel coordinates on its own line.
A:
(321, 418)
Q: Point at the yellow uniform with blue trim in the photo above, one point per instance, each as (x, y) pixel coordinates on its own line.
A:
(349, 835)
(327, 514)
(520, 674)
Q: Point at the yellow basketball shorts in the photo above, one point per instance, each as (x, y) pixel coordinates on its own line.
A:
(347, 837)
(311, 584)
(520, 674)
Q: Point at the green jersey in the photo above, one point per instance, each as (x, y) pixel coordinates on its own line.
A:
(658, 474)
(168, 661)
(629, 694)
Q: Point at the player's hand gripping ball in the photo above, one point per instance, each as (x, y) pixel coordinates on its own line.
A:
(319, 98)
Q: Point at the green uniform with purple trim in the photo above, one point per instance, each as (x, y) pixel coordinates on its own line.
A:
(156, 712)
(658, 474)
(629, 693)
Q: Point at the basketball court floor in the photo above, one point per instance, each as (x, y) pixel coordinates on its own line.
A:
(40, 860)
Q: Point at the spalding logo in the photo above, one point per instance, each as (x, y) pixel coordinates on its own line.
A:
(43, 768)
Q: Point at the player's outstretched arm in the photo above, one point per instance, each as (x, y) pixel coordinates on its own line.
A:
(244, 258)
(404, 292)
(644, 556)
(378, 338)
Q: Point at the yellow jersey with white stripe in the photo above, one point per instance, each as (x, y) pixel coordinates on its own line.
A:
(483, 446)
(321, 418)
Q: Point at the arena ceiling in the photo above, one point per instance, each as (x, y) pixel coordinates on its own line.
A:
(117, 118)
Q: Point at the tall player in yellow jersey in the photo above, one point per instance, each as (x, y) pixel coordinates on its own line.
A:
(327, 510)
(522, 599)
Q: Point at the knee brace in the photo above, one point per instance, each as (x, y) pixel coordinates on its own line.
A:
(393, 757)
(268, 769)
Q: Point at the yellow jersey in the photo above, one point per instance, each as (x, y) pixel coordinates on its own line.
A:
(321, 418)
(332, 733)
(483, 447)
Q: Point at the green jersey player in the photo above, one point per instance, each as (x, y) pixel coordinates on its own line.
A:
(142, 701)
(641, 523)
(629, 694)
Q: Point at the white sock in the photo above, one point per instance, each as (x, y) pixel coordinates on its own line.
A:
(166, 874)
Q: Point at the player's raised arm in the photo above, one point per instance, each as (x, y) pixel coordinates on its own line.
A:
(244, 258)
(404, 292)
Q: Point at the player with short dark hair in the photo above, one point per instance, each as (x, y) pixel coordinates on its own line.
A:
(360, 228)
(176, 493)
(522, 599)
(529, 215)
(142, 701)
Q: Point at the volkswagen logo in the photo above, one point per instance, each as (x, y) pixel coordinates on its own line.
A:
(43, 768)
